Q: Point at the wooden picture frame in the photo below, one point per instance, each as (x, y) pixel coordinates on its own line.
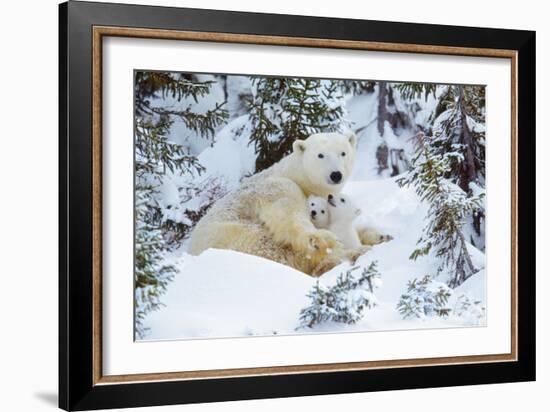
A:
(82, 385)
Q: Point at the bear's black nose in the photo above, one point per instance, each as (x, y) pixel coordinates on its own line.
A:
(330, 197)
(336, 177)
(313, 213)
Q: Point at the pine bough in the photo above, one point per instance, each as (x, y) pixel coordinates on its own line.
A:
(345, 301)
(428, 298)
(424, 297)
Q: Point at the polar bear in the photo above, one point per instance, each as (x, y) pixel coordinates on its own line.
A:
(343, 212)
(370, 236)
(318, 211)
(342, 215)
(268, 215)
(320, 215)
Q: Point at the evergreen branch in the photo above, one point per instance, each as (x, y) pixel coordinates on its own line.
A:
(449, 206)
(343, 302)
(423, 298)
(205, 123)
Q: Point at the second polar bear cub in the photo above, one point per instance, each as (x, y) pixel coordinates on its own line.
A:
(336, 213)
(342, 213)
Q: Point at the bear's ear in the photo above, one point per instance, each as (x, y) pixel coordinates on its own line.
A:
(299, 146)
(352, 139)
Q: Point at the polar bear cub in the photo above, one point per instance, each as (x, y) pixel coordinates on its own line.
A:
(320, 215)
(342, 213)
(337, 213)
(318, 211)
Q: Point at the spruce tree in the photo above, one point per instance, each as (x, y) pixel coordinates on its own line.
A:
(356, 87)
(155, 155)
(462, 130)
(458, 126)
(449, 207)
(283, 110)
(412, 91)
(151, 273)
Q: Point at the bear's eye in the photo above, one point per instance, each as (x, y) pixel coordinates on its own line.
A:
(342, 200)
(343, 153)
(313, 204)
(323, 212)
(320, 155)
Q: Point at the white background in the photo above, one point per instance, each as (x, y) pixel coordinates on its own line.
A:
(28, 207)
(122, 356)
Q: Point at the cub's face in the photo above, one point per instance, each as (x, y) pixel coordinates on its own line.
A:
(342, 208)
(327, 160)
(318, 211)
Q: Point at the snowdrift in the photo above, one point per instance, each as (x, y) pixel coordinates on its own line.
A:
(223, 293)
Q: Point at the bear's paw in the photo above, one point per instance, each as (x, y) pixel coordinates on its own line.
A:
(323, 242)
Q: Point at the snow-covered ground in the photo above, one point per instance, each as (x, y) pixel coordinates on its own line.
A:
(223, 293)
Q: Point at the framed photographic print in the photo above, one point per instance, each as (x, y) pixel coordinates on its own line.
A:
(257, 205)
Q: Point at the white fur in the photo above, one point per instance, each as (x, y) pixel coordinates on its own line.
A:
(321, 155)
(342, 215)
(268, 217)
(318, 211)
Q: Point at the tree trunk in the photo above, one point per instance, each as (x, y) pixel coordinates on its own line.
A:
(382, 107)
(468, 172)
(459, 279)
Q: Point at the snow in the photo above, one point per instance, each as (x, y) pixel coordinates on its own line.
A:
(179, 132)
(238, 87)
(171, 203)
(475, 126)
(229, 159)
(362, 112)
(474, 286)
(224, 293)
(225, 163)
(169, 193)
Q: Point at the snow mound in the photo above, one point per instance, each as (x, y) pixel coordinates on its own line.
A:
(227, 293)
(223, 293)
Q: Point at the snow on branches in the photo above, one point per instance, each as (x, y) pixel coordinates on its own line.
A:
(151, 272)
(424, 297)
(449, 206)
(343, 302)
(282, 110)
(470, 310)
(156, 156)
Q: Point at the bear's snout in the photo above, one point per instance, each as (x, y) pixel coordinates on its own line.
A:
(336, 177)
(313, 213)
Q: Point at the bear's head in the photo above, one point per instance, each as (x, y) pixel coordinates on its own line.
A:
(327, 161)
(318, 211)
(342, 209)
